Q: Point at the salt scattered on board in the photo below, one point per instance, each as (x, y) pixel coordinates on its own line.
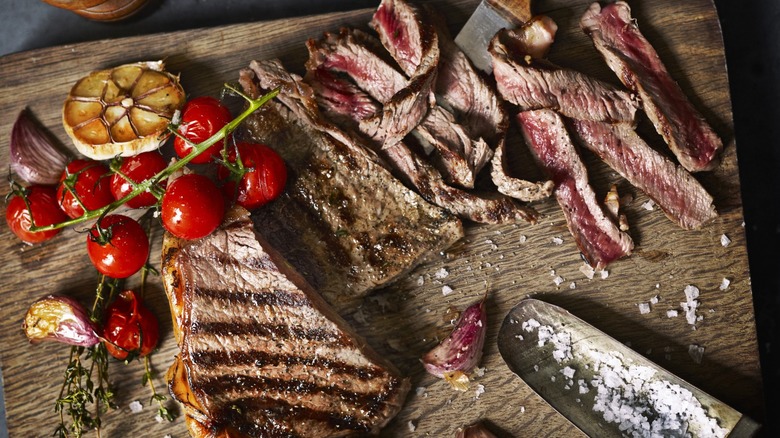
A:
(724, 240)
(446, 290)
(724, 284)
(135, 406)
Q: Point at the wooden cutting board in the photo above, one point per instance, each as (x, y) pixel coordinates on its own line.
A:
(404, 320)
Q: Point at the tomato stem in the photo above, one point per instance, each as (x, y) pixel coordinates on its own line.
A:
(253, 105)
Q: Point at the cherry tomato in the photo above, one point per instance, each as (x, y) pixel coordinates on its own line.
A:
(45, 211)
(121, 249)
(92, 186)
(192, 207)
(201, 118)
(138, 168)
(129, 328)
(264, 179)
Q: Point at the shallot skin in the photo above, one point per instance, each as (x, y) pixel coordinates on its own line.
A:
(61, 319)
(461, 351)
(35, 158)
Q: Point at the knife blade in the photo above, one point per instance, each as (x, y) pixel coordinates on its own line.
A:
(490, 17)
(582, 372)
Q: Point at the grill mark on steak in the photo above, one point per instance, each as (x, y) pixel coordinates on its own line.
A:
(534, 84)
(627, 52)
(598, 237)
(273, 331)
(262, 358)
(254, 298)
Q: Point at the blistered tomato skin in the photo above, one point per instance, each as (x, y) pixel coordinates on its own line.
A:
(201, 118)
(92, 186)
(138, 168)
(264, 180)
(129, 327)
(126, 249)
(45, 211)
(192, 207)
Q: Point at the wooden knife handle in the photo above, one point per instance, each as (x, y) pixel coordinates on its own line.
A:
(518, 11)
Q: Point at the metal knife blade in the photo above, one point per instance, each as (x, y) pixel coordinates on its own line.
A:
(573, 366)
(490, 17)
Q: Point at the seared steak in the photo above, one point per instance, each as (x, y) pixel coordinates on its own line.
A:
(532, 83)
(678, 194)
(598, 237)
(261, 354)
(342, 209)
(616, 36)
(404, 33)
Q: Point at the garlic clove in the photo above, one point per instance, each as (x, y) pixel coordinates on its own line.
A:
(61, 319)
(461, 351)
(34, 156)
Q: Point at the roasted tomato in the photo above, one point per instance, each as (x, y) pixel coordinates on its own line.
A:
(201, 118)
(129, 328)
(45, 211)
(119, 247)
(264, 177)
(138, 168)
(192, 207)
(91, 183)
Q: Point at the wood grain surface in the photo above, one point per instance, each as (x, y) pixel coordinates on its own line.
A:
(404, 320)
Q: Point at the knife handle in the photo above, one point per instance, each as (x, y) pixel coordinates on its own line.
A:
(518, 11)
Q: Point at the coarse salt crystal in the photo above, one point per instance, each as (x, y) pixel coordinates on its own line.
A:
(420, 281)
(655, 300)
(412, 427)
(446, 290)
(480, 372)
(479, 391)
(644, 308)
(671, 313)
(135, 407)
(572, 285)
(724, 284)
(691, 293)
(583, 387)
(588, 271)
(522, 239)
(519, 337)
(557, 240)
(604, 274)
(441, 274)
(536, 367)
(158, 418)
(724, 240)
(648, 205)
(530, 325)
(696, 352)
(568, 372)
(167, 435)
(558, 280)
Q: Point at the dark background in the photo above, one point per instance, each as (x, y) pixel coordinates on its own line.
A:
(751, 36)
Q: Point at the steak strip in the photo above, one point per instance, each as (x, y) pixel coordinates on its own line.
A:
(599, 239)
(637, 64)
(678, 194)
(532, 83)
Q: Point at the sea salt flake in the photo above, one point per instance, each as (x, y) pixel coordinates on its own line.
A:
(696, 352)
(558, 280)
(536, 367)
(135, 407)
(588, 271)
(691, 293)
(557, 240)
(568, 372)
(441, 274)
(522, 409)
(530, 325)
(648, 205)
(480, 372)
(446, 290)
(671, 313)
(572, 285)
(158, 418)
(479, 391)
(522, 239)
(724, 240)
(644, 308)
(655, 300)
(420, 280)
(412, 427)
(724, 284)
(604, 274)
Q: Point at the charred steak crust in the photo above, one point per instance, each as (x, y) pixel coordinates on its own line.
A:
(262, 354)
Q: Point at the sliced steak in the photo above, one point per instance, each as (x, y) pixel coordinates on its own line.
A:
(342, 208)
(532, 83)
(678, 194)
(405, 33)
(359, 56)
(411, 167)
(261, 353)
(599, 239)
(524, 190)
(616, 36)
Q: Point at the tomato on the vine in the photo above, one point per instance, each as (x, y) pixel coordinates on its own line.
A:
(201, 118)
(45, 211)
(137, 169)
(90, 183)
(192, 207)
(129, 328)
(119, 248)
(263, 180)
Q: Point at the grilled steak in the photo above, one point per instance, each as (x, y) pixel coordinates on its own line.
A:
(599, 239)
(678, 194)
(627, 52)
(524, 190)
(342, 209)
(417, 172)
(404, 33)
(532, 83)
(261, 354)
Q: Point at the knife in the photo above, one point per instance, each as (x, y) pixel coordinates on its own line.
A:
(573, 367)
(490, 17)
